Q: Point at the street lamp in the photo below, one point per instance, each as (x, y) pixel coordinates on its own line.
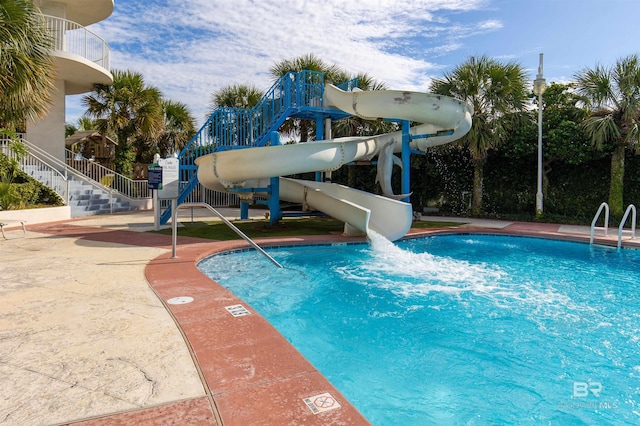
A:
(539, 85)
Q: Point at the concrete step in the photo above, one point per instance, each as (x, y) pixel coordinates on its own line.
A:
(84, 198)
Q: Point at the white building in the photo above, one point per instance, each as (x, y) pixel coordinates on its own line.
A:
(81, 58)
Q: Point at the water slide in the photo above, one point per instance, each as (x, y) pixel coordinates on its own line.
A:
(445, 119)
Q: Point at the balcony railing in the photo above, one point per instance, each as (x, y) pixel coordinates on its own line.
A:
(73, 38)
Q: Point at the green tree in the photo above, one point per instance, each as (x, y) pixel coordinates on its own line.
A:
(495, 90)
(309, 62)
(69, 129)
(236, 96)
(82, 124)
(563, 139)
(9, 167)
(612, 96)
(86, 123)
(356, 126)
(129, 109)
(26, 68)
(361, 177)
(177, 129)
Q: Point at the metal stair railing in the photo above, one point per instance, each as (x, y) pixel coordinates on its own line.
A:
(604, 206)
(234, 128)
(107, 177)
(174, 230)
(87, 169)
(630, 209)
(97, 174)
(61, 171)
(47, 174)
(230, 128)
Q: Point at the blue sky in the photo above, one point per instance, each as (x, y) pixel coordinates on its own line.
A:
(191, 48)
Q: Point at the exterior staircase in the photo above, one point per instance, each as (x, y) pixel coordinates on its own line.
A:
(84, 197)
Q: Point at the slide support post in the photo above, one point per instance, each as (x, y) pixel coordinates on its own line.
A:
(319, 135)
(275, 213)
(244, 210)
(327, 136)
(406, 158)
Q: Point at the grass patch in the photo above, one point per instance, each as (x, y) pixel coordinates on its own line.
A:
(430, 224)
(217, 230)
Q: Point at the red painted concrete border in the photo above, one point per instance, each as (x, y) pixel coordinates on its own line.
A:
(251, 372)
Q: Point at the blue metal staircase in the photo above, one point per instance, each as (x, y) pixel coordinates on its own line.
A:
(295, 95)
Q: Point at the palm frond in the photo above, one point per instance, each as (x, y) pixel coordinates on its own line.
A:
(26, 67)
(602, 129)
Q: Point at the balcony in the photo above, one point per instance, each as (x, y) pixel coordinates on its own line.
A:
(81, 56)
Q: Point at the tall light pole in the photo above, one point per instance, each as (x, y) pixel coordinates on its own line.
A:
(539, 86)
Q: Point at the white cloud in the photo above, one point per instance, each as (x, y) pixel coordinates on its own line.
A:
(190, 49)
(490, 25)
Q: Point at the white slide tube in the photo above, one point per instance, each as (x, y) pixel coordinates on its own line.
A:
(436, 113)
(448, 117)
(239, 165)
(360, 209)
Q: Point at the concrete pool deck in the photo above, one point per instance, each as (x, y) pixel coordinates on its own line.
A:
(88, 334)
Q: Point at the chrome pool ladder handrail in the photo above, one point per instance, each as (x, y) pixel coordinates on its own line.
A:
(604, 206)
(630, 209)
(226, 221)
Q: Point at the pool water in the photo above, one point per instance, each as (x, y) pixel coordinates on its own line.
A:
(459, 329)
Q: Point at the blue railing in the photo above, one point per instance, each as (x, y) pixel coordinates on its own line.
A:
(234, 128)
(229, 128)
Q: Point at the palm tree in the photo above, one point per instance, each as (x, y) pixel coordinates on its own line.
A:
(26, 68)
(179, 127)
(356, 126)
(358, 177)
(612, 96)
(83, 123)
(308, 62)
(236, 96)
(86, 123)
(495, 90)
(129, 109)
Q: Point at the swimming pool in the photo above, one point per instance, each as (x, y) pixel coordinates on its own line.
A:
(458, 329)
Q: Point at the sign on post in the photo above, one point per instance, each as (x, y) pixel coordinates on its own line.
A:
(155, 177)
(169, 188)
(163, 177)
